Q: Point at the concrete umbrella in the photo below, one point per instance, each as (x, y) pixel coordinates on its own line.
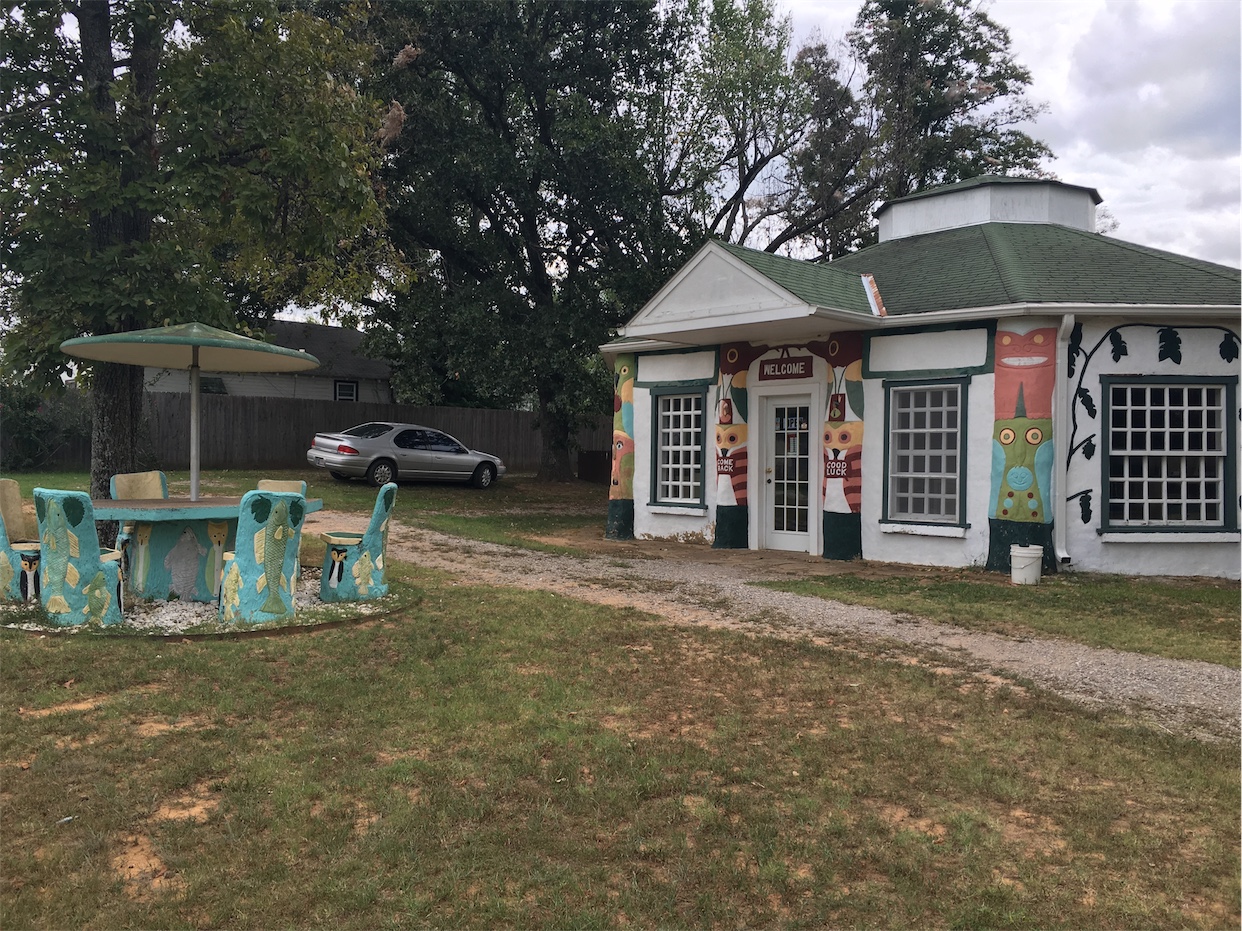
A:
(196, 347)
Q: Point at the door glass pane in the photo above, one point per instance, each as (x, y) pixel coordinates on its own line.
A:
(791, 468)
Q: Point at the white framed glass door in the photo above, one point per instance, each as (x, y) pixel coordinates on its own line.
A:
(788, 490)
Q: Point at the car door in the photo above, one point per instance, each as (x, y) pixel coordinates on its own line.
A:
(452, 460)
(414, 455)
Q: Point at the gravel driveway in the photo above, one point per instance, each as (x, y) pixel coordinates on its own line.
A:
(700, 586)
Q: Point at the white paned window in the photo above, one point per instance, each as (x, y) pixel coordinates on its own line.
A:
(1167, 454)
(679, 433)
(346, 391)
(925, 463)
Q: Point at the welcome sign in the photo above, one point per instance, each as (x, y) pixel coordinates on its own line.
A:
(786, 367)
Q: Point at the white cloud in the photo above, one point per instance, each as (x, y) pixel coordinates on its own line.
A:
(1144, 105)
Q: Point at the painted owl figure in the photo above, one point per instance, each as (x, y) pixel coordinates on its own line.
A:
(1022, 454)
(843, 466)
(731, 463)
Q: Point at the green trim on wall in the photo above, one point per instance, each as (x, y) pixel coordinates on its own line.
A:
(673, 387)
(665, 389)
(620, 519)
(1002, 534)
(963, 437)
(842, 535)
(1230, 496)
(707, 380)
(732, 525)
(989, 327)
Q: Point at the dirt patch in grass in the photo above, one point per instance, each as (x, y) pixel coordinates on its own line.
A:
(194, 805)
(142, 871)
(86, 704)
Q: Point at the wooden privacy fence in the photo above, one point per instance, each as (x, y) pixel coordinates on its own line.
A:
(249, 432)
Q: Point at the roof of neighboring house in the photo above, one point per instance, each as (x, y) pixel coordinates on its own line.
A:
(994, 264)
(336, 348)
(818, 284)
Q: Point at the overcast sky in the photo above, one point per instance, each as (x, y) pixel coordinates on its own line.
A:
(1143, 105)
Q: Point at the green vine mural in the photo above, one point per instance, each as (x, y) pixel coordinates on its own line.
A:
(1169, 349)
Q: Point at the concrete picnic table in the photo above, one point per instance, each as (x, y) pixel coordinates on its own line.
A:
(178, 545)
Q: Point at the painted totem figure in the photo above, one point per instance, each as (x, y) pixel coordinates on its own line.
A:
(732, 460)
(843, 437)
(1022, 447)
(621, 489)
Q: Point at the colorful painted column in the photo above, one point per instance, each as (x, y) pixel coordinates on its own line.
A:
(732, 513)
(621, 490)
(843, 437)
(1022, 449)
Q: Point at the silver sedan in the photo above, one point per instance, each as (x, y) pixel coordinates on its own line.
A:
(387, 452)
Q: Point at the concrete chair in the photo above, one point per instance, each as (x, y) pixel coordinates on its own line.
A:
(275, 484)
(19, 552)
(259, 575)
(355, 564)
(130, 485)
(78, 581)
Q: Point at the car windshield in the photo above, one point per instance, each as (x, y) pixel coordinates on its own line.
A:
(368, 431)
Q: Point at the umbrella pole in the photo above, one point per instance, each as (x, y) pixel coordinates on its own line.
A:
(194, 449)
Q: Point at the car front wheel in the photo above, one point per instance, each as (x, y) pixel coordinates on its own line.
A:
(382, 472)
(483, 476)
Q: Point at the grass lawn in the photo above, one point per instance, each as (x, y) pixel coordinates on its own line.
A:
(489, 757)
(1191, 619)
(1180, 619)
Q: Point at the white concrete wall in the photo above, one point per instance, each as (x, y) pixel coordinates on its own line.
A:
(1158, 552)
(1000, 203)
(930, 544)
(658, 521)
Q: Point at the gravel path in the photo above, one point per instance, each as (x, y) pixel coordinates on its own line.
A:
(1191, 698)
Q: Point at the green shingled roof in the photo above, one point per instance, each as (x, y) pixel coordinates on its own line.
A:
(1035, 263)
(818, 284)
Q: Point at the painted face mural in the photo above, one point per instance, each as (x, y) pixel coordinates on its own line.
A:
(622, 485)
(731, 426)
(843, 424)
(1025, 360)
(1022, 469)
(1022, 449)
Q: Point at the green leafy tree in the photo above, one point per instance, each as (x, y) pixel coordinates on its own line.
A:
(928, 93)
(517, 176)
(166, 161)
(947, 92)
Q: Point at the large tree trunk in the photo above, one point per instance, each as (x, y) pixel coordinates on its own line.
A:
(555, 464)
(117, 389)
(116, 415)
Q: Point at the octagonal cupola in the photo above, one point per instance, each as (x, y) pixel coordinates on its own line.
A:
(989, 199)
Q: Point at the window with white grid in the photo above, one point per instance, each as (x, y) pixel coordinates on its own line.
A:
(1167, 454)
(925, 463)
(679, 435)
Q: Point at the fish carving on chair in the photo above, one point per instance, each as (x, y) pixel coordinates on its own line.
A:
(363, 571)
(270, 544)
(59, 546)
(98, 598)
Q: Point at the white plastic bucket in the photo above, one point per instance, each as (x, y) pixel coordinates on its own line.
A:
(1025, 563)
